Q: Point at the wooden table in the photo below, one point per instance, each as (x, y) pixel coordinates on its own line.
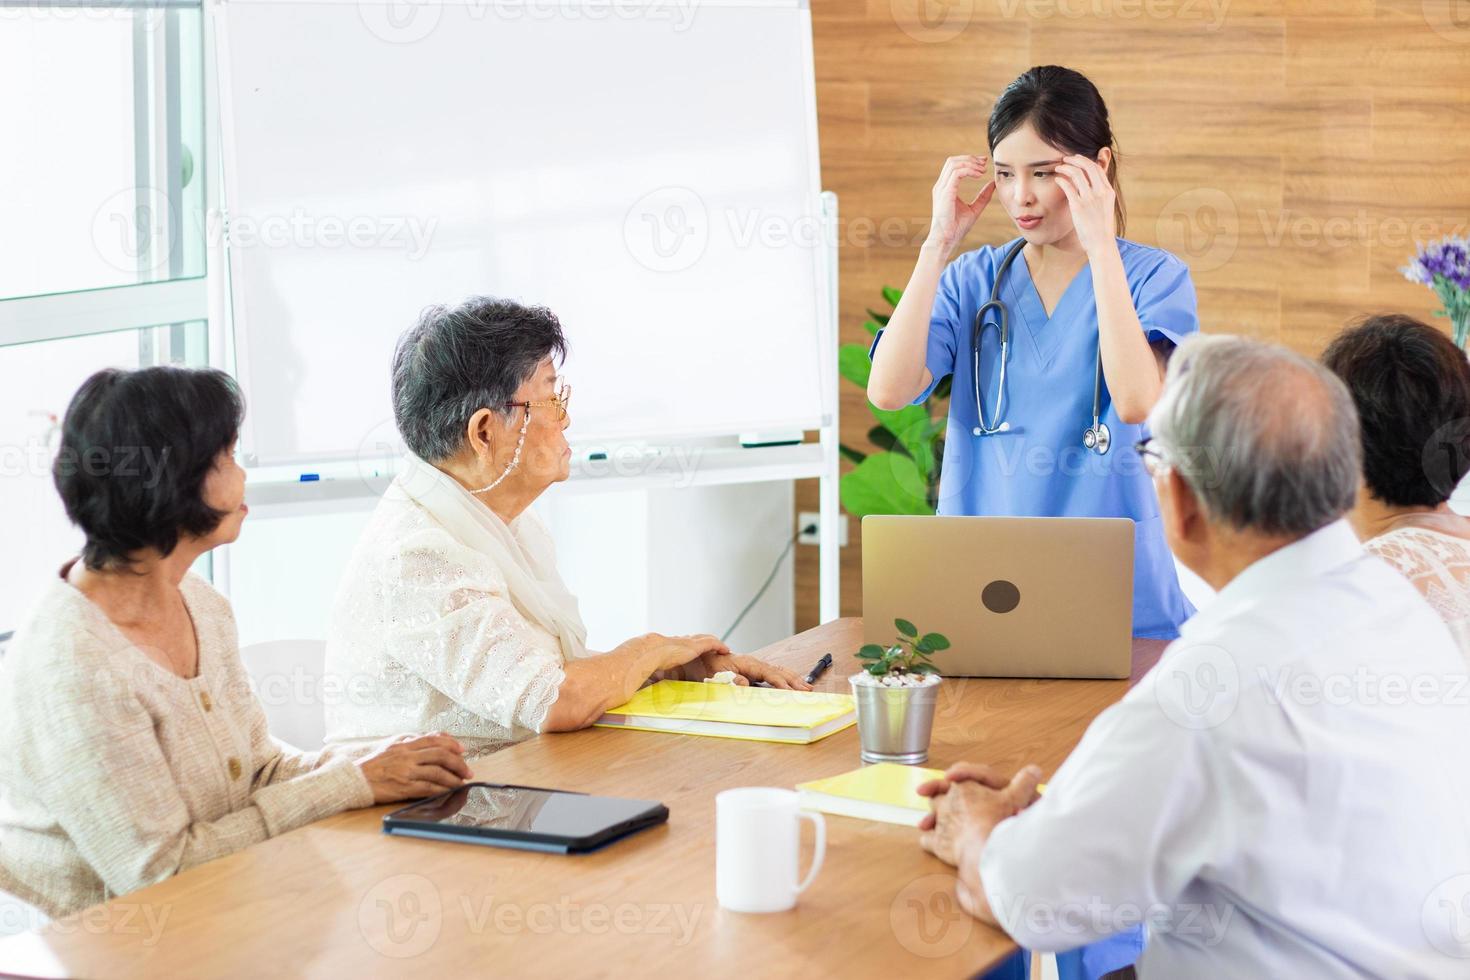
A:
(340, 899)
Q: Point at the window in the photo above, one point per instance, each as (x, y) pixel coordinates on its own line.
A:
(103, 200)
(100, 180)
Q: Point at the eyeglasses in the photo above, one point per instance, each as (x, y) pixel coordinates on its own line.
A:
(562, 399)
(1153, 460)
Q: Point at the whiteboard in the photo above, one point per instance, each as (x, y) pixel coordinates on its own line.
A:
(648, 171)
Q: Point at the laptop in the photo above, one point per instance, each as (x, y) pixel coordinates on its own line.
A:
(1016, 596)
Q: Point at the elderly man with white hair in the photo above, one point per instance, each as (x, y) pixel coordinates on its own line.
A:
(1283, 795)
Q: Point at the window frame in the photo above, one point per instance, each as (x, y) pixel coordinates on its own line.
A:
(174, 299)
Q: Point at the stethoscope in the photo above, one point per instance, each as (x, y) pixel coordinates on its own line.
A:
(1097, 437)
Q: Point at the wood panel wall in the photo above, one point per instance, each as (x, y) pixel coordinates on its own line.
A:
(1290, 152)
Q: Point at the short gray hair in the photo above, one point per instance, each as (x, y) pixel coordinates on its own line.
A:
(458, 360)
(1266, 439)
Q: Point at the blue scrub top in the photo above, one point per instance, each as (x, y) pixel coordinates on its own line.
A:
(1039, 468)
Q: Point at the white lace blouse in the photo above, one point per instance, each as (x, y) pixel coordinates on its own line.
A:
(424, 637)
(1437, 562)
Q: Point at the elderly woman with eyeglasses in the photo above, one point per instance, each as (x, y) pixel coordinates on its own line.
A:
(452, 609)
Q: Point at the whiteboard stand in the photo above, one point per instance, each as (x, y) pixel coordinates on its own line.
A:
(829, 558)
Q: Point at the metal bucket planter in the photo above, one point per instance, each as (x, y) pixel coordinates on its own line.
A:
(895, 723)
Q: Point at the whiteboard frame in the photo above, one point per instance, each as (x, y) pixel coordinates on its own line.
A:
(235, 304)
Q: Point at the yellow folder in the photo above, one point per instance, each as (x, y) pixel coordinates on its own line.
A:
(884, 791)
(764, 714)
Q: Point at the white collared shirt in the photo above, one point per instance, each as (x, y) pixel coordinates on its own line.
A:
(1287, 794)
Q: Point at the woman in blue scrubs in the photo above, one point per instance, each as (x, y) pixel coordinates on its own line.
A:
(1075, 289)
(1078, 296)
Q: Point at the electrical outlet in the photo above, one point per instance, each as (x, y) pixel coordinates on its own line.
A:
(809, 518)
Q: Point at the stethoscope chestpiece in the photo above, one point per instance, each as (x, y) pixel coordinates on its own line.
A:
(1098, 438)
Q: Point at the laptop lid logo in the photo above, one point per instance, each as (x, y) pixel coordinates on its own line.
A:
(1001, 596)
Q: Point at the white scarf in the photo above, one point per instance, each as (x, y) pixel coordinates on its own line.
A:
(523, 550)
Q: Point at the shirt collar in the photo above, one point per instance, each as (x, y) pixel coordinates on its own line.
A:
(1304, 559)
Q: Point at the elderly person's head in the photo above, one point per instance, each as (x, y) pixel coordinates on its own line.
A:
(1253, 447)
(1411, 386)
(476, 393)
(146, 464)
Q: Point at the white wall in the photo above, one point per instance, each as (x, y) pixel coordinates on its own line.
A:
(672, 561)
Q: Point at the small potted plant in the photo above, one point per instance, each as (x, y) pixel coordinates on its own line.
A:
(895, 693)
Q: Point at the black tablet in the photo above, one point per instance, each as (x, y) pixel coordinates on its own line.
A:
(525, 817)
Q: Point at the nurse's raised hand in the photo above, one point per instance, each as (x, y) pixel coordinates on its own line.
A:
(1092, 201)
(953, 215)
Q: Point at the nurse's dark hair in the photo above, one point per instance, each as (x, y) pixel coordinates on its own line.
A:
(459, 359)
(1411, 386)
(136, 447)
(1066, 110)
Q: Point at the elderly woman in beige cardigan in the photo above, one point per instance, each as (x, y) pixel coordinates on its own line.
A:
(131, 745)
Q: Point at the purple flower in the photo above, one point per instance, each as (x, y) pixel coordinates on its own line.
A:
(1442, 263)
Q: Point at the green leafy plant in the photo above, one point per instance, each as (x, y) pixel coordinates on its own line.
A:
(902, 475)
(908, 654)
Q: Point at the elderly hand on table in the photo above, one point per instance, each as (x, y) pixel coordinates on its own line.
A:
(749, 670)
(412, 766)
(968, 803)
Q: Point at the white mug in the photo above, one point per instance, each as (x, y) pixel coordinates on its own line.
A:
(757, 840)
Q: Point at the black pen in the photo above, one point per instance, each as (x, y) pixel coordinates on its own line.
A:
(821, 666)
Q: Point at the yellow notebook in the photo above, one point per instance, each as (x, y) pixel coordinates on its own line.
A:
(884, 791)
(764, 714)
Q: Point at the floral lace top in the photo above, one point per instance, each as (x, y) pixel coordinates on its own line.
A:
(424, 638)
(1437, 562)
